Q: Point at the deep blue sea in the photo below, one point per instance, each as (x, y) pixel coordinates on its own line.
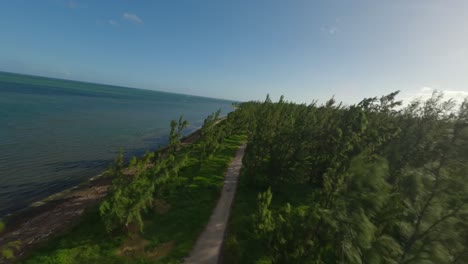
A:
(55, 134)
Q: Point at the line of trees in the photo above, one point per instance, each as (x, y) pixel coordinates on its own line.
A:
(387, 183)
(137, 184)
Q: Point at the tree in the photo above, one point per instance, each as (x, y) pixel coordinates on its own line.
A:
(177, 128)
(387, 183)
(209, 137)
(132, 194)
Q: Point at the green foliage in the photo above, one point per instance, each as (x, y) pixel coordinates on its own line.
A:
(263, 219)
(190, 206)
(8, 253)
(132, 192)
(2, 226)
(385, 183)
(284, 242)
(370, 183)
(210, 136)
(8, 250)
(76, 255)
(177, 128)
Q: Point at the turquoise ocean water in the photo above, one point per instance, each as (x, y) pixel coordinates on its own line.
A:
(55, 134)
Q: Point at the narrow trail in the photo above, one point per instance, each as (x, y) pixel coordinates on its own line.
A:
(207, 249)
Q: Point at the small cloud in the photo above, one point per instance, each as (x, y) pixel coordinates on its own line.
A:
(426, 89)
(333, 30)
(330, 30)
(456, 95)
(133, 18)
(425, 93)
(113, 22)
(333, 27)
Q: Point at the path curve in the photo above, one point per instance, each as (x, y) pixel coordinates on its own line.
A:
(207, 249)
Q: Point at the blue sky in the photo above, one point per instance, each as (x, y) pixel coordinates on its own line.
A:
(244, 49)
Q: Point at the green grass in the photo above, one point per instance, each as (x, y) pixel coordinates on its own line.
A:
(191, 203)
(241, 244)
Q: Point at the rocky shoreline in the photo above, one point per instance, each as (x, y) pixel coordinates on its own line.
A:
(35, 225)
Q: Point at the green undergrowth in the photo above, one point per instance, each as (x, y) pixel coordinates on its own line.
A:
(241, 244)
(168, 235)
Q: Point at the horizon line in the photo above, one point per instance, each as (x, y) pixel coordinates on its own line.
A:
(120, 86)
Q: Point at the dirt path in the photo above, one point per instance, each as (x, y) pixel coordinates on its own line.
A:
(208, 246)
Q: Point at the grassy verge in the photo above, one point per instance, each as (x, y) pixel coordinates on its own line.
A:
(170, 230)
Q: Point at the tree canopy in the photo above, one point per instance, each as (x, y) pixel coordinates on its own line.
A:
(386, 183)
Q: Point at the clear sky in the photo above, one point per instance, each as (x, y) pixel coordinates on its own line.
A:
(244, 49)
